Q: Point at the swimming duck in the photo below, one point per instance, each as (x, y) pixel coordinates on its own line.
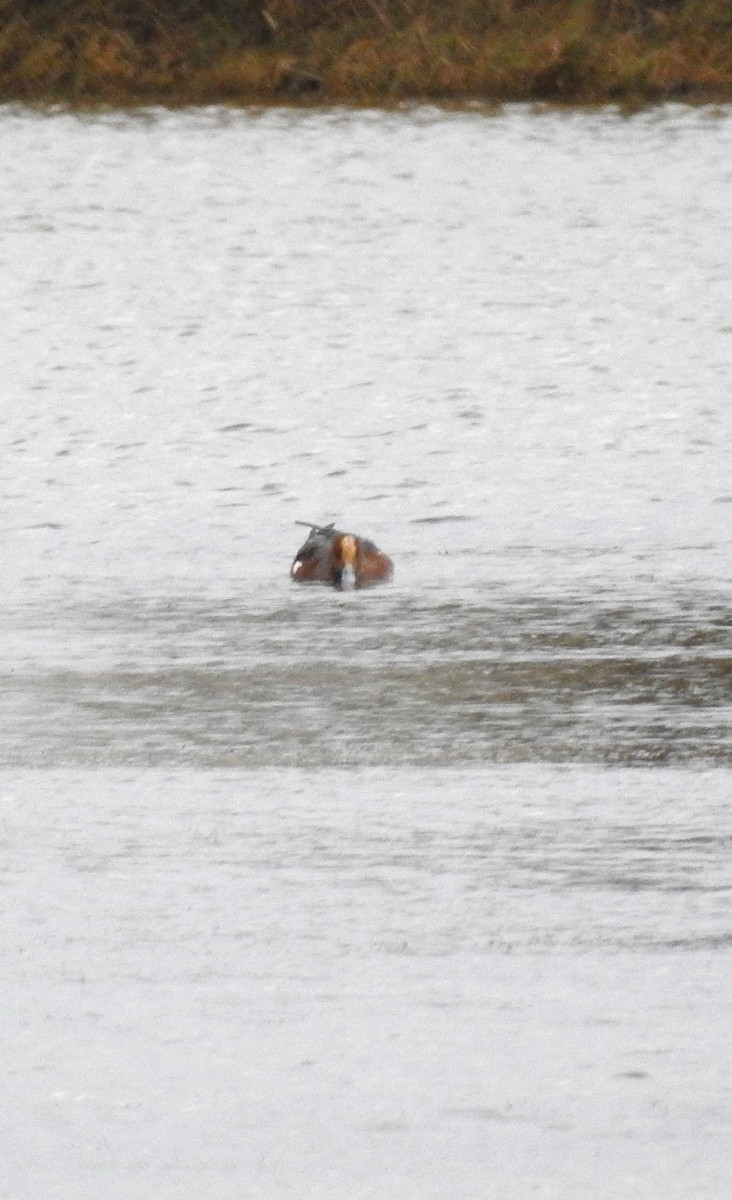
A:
(342, 560)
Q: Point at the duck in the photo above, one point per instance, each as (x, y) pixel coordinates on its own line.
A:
(340, 560)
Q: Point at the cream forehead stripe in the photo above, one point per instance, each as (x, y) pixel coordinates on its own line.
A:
(348, 548)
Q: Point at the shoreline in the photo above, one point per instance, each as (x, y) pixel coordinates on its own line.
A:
(379, 53)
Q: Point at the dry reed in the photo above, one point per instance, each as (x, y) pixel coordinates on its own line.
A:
(131, 52)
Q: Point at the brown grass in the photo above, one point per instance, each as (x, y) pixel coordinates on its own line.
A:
(128, 52)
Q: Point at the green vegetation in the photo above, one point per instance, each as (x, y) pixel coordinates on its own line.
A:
(176, 52)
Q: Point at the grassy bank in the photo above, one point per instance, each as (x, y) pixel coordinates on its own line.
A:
(127, 52)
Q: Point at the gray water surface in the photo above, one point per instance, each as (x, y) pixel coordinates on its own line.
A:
(498, 346)
(319, 680)
(506, 981)
(416, 893)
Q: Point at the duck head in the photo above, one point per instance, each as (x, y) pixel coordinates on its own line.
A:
(340, 559)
